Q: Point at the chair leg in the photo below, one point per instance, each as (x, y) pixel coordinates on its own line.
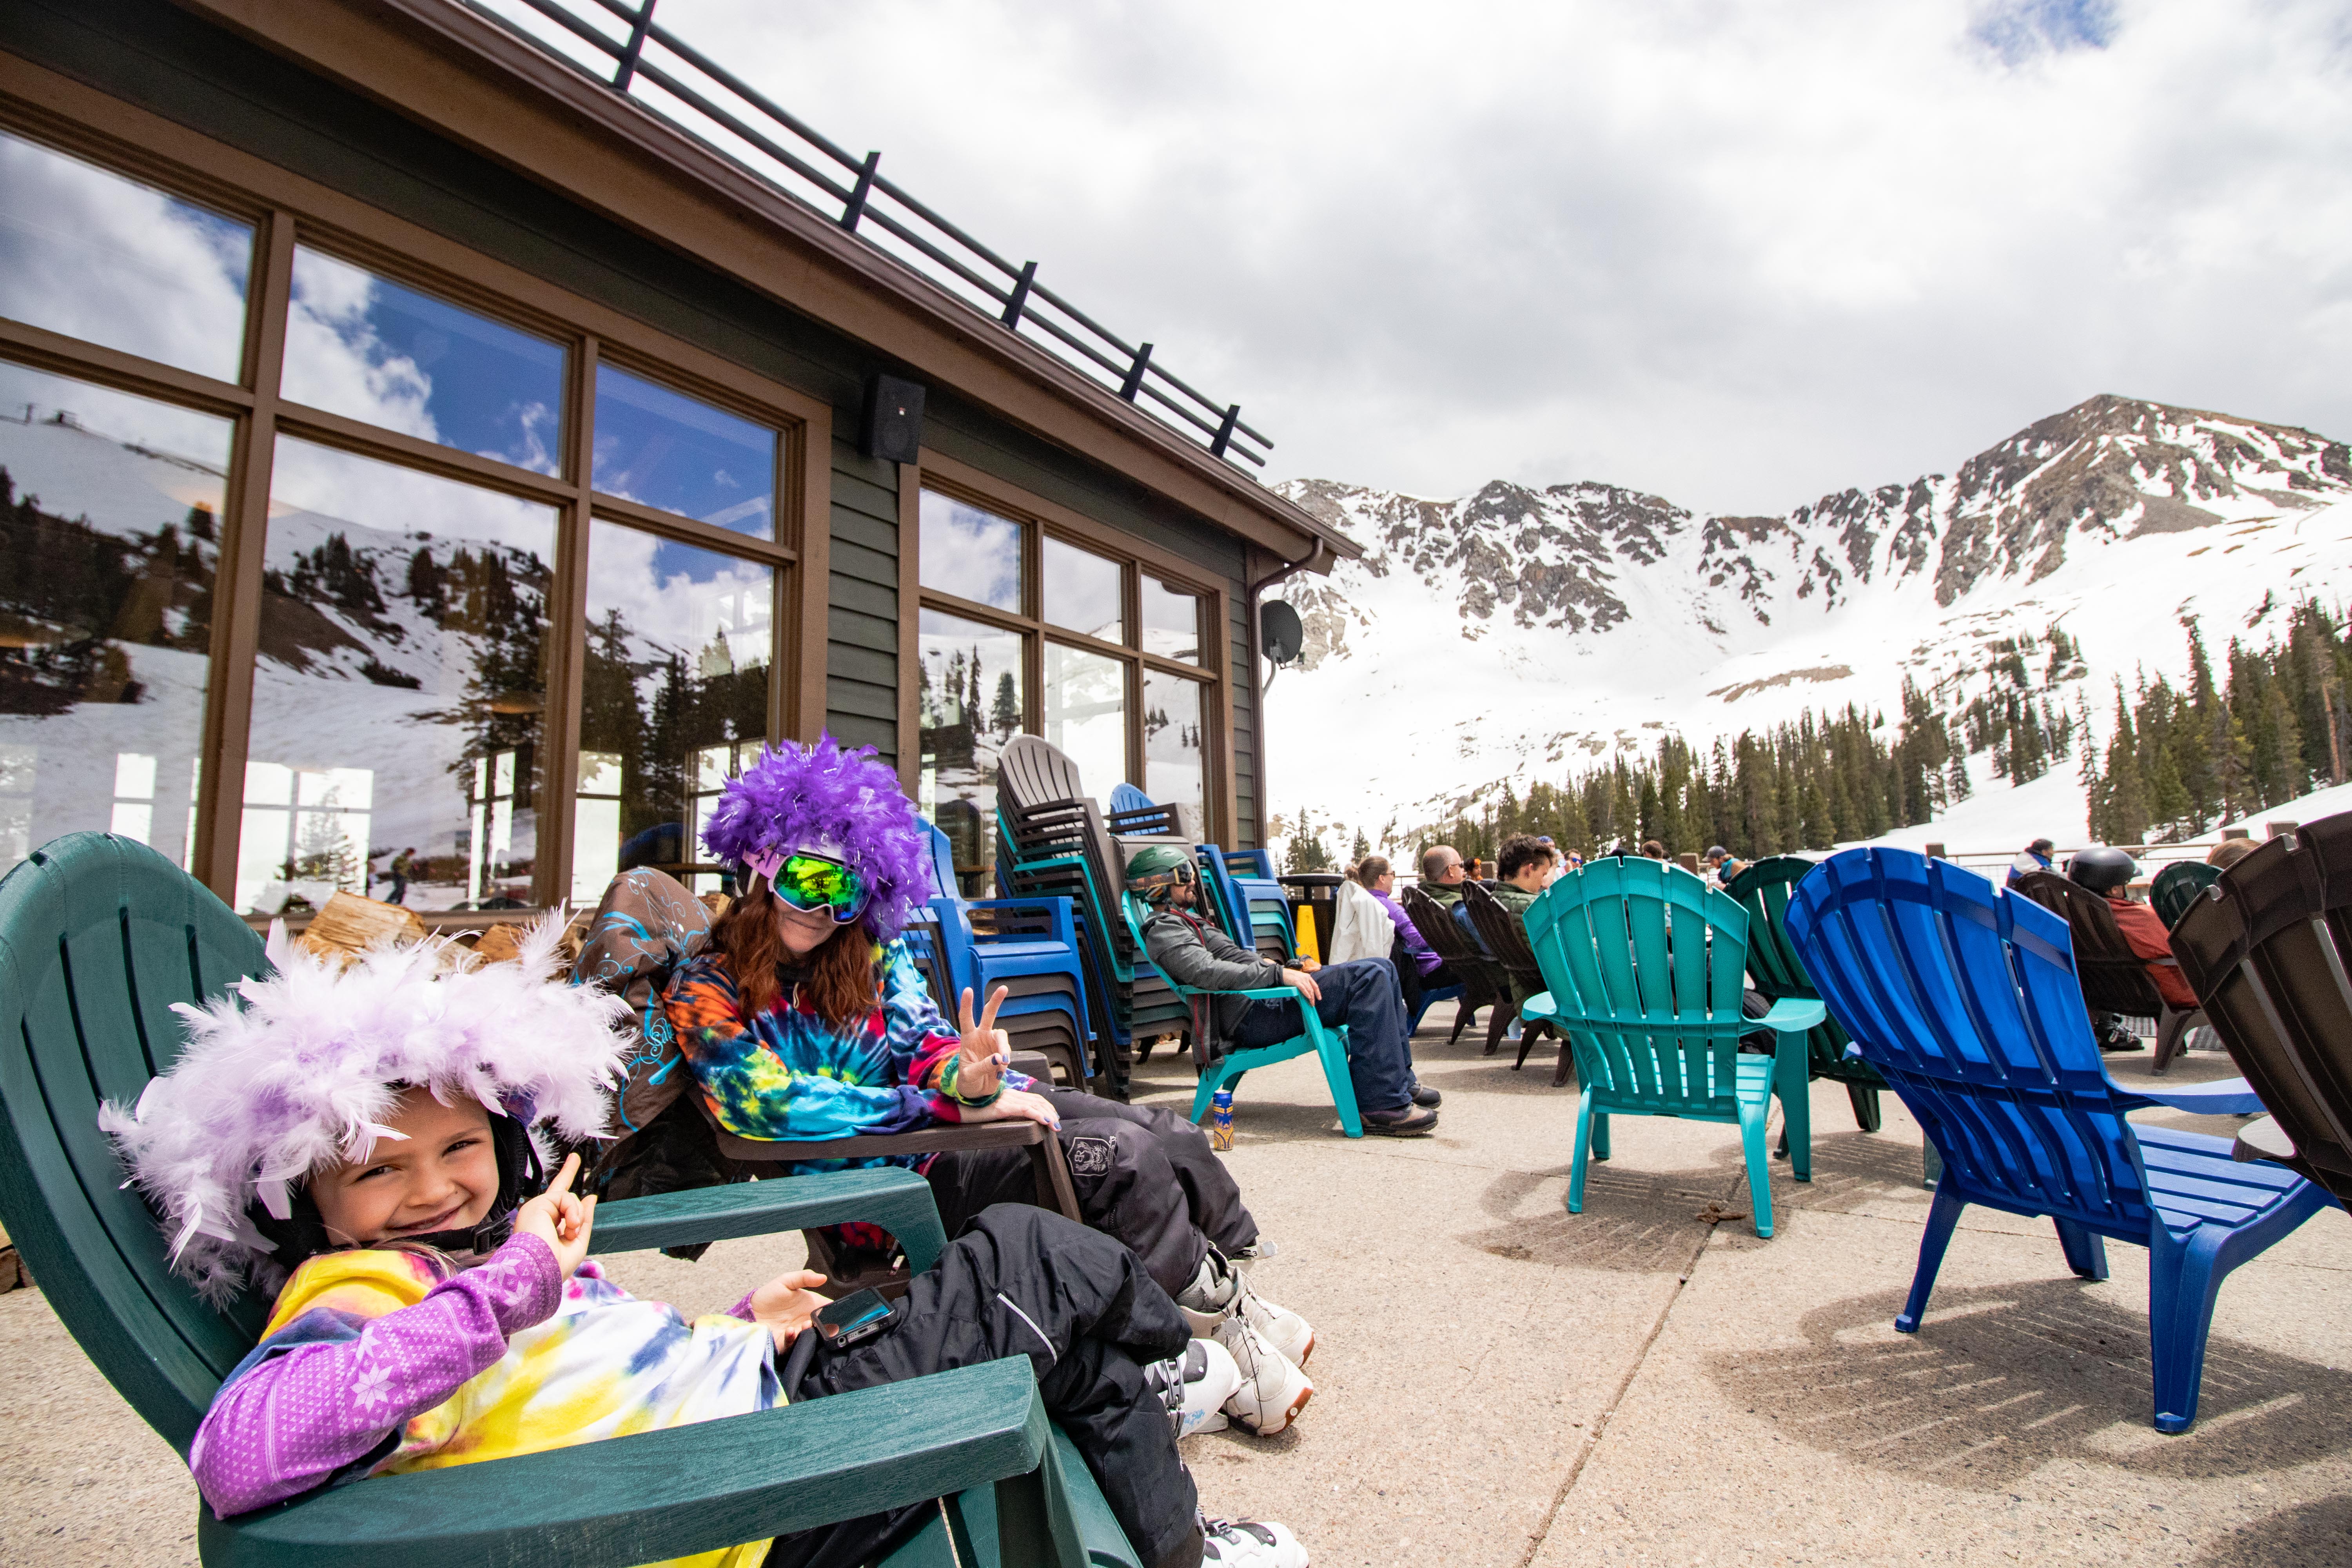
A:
(1528, 1034)
(2183, 1283)
(1560, 1069)
(2086, 1250)
(2172, 1035)
(1759, 1168)
(1498, 1021)
(1864, 1100)
(1331, 1045)
(1601, 1135)
(1793, 1081)
(1463, 1012)
(1942, 1216)
(1210, 1083)
(1585, 1136)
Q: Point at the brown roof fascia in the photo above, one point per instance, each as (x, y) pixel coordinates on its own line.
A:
(464, 77)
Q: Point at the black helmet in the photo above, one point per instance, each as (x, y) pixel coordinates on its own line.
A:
(2102, 871)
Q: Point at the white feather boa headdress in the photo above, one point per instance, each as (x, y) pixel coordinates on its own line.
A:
(302, 1075)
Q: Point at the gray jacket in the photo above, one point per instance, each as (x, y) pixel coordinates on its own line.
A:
(1191, 951)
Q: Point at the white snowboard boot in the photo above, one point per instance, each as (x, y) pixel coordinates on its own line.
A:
(1221, 1290)
(1272, 1391)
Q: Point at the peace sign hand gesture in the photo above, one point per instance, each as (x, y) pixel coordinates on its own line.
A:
(984, 1052)
(561, 1218)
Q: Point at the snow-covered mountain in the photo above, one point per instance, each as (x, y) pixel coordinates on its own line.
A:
(1518, 634)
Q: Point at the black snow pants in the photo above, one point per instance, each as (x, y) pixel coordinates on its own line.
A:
(1144, 1175)
(1025, 1282)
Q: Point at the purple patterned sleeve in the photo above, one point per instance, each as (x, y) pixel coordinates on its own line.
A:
(332, 1389)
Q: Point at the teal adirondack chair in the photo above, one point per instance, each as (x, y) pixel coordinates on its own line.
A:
(1328, 1042)
(1644, 962)
(99, 936)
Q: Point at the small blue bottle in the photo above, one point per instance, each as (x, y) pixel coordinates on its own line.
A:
(1221, 1119)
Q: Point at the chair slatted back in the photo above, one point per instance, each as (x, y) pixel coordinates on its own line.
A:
(98, 937)
(2112, 977)
(1031, 772)
(1436, 926)
(1645, 964)
(1964, 997)
(2269, 950)
(2177, 887)
(1505, 937)
(1774, 967)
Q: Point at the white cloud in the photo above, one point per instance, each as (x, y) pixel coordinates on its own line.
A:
(1740, 254)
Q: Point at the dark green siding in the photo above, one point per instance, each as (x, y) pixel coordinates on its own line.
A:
(151, 54)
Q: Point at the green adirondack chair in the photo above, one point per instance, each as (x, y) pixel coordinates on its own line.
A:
(1645, 964)
(1775, 971)
(1328, 1042)
(99, 936)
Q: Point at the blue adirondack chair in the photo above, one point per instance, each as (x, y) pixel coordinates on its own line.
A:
(1964, 997)
(99, 936)
(1036, 957)
(1328, 1042)
(1645, 962)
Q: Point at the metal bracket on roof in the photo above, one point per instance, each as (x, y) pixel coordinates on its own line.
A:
(637, 31)
(1020, 300)
(1226, 431)
(864, 188)
(1134, 382)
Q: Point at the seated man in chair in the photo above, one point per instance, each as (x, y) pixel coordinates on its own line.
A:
(1363, 994)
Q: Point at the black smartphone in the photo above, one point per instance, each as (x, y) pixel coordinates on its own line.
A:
(857, 1317)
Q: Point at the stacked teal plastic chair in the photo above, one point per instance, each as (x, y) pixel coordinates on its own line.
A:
(1965, 998)
(98, 937)
(1644, 962)
(1328, 1042)
(1777, 972)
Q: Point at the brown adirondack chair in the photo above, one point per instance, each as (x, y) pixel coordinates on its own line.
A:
(2115, 978)
(1483, 983)
(2267, 947)
(1507, 938)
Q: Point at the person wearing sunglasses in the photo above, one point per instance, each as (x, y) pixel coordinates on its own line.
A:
(804, 1018)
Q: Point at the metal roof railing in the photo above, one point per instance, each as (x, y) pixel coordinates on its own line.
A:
(623, 47)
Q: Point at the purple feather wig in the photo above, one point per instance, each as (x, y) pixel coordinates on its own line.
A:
(835, 802)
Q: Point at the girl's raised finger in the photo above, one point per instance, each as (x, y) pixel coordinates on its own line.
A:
(563, 1183)
(988, 1019)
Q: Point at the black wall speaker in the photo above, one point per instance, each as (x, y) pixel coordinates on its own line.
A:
(1279, 634)
(893, 428)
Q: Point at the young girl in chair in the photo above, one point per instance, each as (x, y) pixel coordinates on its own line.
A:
(360, 1142)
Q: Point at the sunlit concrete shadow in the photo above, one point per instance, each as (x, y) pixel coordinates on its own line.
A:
(2001, 1380)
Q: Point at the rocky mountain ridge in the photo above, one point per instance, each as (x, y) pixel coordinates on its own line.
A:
(1510, 627)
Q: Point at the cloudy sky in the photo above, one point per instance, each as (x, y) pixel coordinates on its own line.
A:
(1738, 252)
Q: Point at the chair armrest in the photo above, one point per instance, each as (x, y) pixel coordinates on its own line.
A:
(1793, 1016)
(1536, 1006)
(658, 1495)
(898, 1201)
(2223, 1097)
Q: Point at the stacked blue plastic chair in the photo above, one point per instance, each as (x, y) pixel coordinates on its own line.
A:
(1030, 946)
(1269, 905)
(1965, 998)
(1261, 921)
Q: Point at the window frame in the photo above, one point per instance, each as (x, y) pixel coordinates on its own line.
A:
(1040, 519)
(284, 209)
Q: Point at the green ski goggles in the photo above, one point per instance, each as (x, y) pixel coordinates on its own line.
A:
(815, 884)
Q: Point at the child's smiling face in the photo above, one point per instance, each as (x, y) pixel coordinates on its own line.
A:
(443, 1176)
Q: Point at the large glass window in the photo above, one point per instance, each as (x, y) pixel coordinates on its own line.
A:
(1173, 755)
(674, 702)
(108, 538)
(1085, 593)
(971, 554)
(103, 258)
(1172, 621)
(368, 348)
(1086, 714)
(661, 448)
(972, 705)
(400, 688)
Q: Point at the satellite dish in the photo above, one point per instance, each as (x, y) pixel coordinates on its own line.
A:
(1279, 632)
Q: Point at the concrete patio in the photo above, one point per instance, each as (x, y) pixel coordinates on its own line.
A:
(1500, 1383)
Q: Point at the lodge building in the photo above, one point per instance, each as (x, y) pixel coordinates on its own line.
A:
(440, 442)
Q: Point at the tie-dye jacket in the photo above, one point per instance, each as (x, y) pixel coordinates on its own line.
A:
(372, 1362)
(788, 1075)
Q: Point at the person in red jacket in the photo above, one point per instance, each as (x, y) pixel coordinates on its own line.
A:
(2108, 872)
